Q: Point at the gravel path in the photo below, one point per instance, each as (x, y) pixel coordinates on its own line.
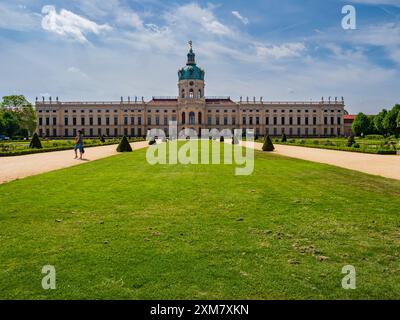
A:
(381, 165)
(18, 167)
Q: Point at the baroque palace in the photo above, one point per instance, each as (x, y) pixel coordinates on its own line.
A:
(191, 109)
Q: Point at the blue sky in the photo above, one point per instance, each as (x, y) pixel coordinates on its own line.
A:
(281, 50)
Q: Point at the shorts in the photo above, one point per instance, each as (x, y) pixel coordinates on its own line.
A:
(79, 147)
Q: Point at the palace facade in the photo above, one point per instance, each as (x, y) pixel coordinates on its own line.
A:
(191, 109)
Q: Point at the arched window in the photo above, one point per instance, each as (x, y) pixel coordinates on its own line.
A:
(199, 117)
(183, 93)
(191, 93)
(183, 118)
(199, 93)
(191, 118)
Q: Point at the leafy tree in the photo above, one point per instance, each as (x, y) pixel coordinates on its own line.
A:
(124, 145)
(360, 125)
(35, 142)
(378, 122)
(24, 113)
(371, 125)
(390, 120)
(268, 145)
(11, 122)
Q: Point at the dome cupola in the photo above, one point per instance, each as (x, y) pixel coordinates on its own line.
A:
(191, 71)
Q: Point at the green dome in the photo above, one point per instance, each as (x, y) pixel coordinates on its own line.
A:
(191, 71)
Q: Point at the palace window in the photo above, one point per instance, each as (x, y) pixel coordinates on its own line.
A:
(314, 121)
(65, 121)
(115, 121)
(99, 121)
(183, 118)
(107, 122)
(54, 121)
(298, 121)
(191, 118)
(199, 115)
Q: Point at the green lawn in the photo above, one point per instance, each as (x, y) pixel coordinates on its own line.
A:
(119, 228)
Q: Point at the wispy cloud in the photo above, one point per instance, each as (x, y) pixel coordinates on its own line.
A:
(240, 17)
(70, 25)
(286, 50)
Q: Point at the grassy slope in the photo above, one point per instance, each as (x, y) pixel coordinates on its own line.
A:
(131, 230)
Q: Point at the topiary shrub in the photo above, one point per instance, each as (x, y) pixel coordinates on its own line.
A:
(284, 138)
(268, 145)
(152, 141)
(221, 139)
(35, 142)
(124, 145)
(356, 146)
(235, 140)
(351, 141)
(102, 139)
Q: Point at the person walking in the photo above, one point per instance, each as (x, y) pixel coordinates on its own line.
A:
(79, 145)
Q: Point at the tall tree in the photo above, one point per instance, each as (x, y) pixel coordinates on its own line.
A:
(378, 122)
(390, 120)
(25, 111)
(360, 125)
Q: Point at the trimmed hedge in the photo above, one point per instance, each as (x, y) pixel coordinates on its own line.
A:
(61, 148)
(268, 145)
(343, 148)
(124, 145)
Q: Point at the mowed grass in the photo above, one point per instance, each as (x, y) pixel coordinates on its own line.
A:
(119, 228)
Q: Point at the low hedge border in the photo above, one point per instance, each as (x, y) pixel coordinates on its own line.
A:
(348, 149)
(61, 148)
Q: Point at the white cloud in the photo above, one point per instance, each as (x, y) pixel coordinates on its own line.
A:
(69, 24)
(286, 50)
(192, 16)
(240, 17)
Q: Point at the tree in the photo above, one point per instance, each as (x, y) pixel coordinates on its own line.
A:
(35, 142)
(24, 112)
(11, 123)
(124, 145)
(378, 122)
(360, 125)
(268, 145)
(371, 125)
(390, 120)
